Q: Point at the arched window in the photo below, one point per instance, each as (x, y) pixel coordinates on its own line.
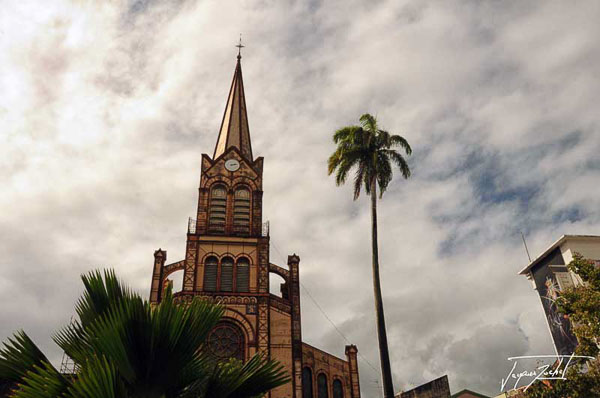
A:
(322, 391)
(241, 210)
(242, 276)
(210, 274)
(307, 384)
(227, 274)
(226, 341)
(338, 390)
(218, 207)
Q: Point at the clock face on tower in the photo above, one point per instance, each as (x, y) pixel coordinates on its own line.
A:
(232, 165)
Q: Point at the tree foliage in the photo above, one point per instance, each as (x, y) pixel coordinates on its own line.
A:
(371, 151)
(123, 347)
(581, 305)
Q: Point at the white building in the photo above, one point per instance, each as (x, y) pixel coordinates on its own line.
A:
(549, 275)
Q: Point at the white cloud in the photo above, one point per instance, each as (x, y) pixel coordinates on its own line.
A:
(105, 110)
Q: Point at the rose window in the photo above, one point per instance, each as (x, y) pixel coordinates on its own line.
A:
(226, 341)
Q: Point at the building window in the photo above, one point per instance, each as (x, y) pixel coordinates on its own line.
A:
(218, 207)
(322, 391)
(226, 341)
(227, 274)
(242, 279)
(338, 390)
(241, 210)
(307, 384)
(210, 274)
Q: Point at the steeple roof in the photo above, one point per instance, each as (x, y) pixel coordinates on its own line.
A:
(234, 130)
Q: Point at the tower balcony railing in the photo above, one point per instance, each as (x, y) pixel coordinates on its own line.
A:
(219, 228)
(191, 225)
(265, 229)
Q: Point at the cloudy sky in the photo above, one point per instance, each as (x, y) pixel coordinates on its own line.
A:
(106, 107)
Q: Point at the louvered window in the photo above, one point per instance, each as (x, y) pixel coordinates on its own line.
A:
(210, 274)
(241, 210)
(242, 275)
(338, 390)
(218, 207)
(227, 274)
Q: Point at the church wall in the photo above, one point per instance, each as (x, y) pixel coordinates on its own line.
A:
(281, 345)
(321, 362)
(247, 248)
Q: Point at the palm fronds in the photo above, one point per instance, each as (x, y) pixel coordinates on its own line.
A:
(370, 151)
(126, 348)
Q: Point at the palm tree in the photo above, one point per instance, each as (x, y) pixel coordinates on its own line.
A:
(369, 150)
(125, 348)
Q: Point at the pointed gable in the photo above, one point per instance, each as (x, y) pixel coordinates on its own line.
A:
(234, 130)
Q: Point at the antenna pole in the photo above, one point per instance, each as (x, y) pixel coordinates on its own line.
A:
(525, 244)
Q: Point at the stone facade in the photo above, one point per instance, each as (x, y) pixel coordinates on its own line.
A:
(227, 261)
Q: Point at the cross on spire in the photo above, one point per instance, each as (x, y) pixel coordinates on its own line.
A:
(234, 130)
(240, 46)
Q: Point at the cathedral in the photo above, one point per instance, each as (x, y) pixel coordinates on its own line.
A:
(227, 261)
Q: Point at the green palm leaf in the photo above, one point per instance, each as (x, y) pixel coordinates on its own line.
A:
(124, 347)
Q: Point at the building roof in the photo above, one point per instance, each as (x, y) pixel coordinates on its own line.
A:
(234, 130)
(556, 244)
(466, 391)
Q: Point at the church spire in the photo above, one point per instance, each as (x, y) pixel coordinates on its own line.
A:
(234, 130)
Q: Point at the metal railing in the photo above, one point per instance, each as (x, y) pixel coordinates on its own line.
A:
(220, 228)
(191, 225)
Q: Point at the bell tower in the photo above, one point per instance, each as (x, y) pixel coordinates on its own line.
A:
(227, 262)
(227, 250)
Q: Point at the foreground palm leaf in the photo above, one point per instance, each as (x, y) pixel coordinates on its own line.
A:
(370, 150)
(126, 348)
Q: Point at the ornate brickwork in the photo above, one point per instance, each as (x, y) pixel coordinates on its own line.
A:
(227, 262)
(160, 256)
(190, 266)
(263, 327)
(263, 265)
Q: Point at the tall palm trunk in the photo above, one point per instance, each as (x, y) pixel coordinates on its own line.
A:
(384, 356)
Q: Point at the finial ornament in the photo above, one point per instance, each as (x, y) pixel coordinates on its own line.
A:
(240, 46)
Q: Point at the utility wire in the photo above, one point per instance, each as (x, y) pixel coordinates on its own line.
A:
(327, 317)
(336, 328)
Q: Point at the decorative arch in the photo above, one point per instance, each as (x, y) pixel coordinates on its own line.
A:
(174, 267)
(216, 180)
(276, 269)
(238, 318)
(242, 180)
(239, 180)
